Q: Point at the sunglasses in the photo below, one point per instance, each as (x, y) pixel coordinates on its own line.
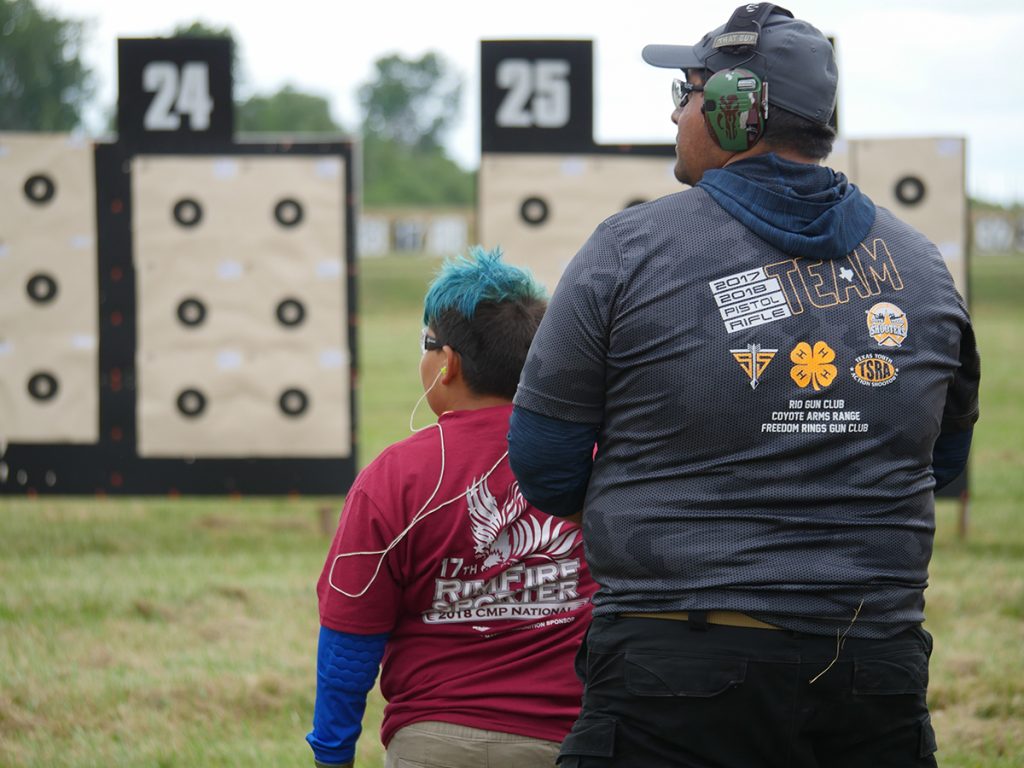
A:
(681, 91)
(428, 343)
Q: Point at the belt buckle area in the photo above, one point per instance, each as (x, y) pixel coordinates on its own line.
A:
(721, 618)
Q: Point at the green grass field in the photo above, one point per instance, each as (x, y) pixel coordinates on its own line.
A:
(156, 633)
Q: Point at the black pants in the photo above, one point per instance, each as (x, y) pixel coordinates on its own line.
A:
(663, 693)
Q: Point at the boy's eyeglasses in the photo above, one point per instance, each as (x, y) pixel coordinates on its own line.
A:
(428, 343)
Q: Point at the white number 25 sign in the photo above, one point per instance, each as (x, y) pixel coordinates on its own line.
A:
(538, 93)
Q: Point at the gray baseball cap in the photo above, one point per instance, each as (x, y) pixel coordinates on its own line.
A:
(794, 57)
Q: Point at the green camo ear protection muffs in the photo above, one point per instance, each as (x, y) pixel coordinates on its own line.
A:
(735, 108)
(735, 99)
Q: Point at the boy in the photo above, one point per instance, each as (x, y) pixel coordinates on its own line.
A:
(476, 601)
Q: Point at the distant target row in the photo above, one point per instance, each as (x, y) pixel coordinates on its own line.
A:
(288, 212)
(534, 210)
(290, 312)
(44, 386)
(293, 402)
(40, 189)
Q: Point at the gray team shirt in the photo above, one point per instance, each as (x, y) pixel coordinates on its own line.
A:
(767, 422)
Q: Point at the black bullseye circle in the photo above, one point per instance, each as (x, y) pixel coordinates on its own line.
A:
(191, 402)
(40, 188)
(41, 288)
(534, 211)
(192, 312)
(910, 190)
(43, 386)
(294, 402)
(288, 212)
(188, 212)
(290, 312)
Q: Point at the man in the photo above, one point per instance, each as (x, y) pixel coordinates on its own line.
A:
(777, 375)
(440, 567)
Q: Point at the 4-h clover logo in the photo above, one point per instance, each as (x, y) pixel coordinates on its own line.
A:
(813, 367)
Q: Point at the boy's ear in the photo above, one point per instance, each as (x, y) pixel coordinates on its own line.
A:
(452, 365)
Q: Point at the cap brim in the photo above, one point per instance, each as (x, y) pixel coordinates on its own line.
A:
(672, 56)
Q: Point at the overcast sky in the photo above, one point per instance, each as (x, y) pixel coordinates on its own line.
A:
(907, 67)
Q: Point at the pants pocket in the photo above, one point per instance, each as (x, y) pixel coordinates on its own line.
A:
(657, 675)
(893, 675)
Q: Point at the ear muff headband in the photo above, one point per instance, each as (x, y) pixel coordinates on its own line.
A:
(735, 108)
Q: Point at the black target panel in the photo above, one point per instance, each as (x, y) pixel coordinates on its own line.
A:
(184, 304)
(175, 94)
(536, 96)
(192, 315)
(544, 184)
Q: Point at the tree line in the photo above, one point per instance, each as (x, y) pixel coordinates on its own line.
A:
(406, 107)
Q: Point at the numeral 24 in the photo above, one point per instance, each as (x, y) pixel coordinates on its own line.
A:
(177, 94)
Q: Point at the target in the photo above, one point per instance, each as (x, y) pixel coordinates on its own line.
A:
(41, 288)
(40, 189)
(187, 212)
(220, 359)
(544, 184)
(49, 388)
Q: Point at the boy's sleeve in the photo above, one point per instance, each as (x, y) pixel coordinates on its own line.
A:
(360, 587)
(346, 667)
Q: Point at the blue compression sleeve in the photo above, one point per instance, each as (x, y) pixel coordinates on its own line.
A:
(949, 456)
(346, 667)
(551, 459)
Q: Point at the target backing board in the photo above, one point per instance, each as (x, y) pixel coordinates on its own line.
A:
(242, 351)
(226, 353)
(193, 297)
(541, 208)
(544, 184)
(49, 377)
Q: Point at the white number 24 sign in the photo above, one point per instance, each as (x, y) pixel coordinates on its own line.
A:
(178, 92)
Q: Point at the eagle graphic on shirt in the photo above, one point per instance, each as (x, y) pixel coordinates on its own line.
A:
(502, 535)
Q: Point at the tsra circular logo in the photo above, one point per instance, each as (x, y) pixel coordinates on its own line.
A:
(874, 370)
(887, 324)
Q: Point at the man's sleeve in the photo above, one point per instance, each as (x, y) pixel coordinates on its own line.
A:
(564, 374)
(551, 459)
(559, 405)
(346, 667)
(952, 448)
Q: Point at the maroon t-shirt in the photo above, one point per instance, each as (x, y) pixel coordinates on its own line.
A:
(486, 599)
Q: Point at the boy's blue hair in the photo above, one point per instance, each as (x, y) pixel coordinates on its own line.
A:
(462, 283)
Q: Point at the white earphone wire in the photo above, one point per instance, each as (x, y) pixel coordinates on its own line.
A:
(420, 515)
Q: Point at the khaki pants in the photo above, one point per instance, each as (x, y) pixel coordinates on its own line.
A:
(445, 745)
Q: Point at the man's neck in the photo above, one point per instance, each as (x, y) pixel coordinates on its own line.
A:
(761, 148)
